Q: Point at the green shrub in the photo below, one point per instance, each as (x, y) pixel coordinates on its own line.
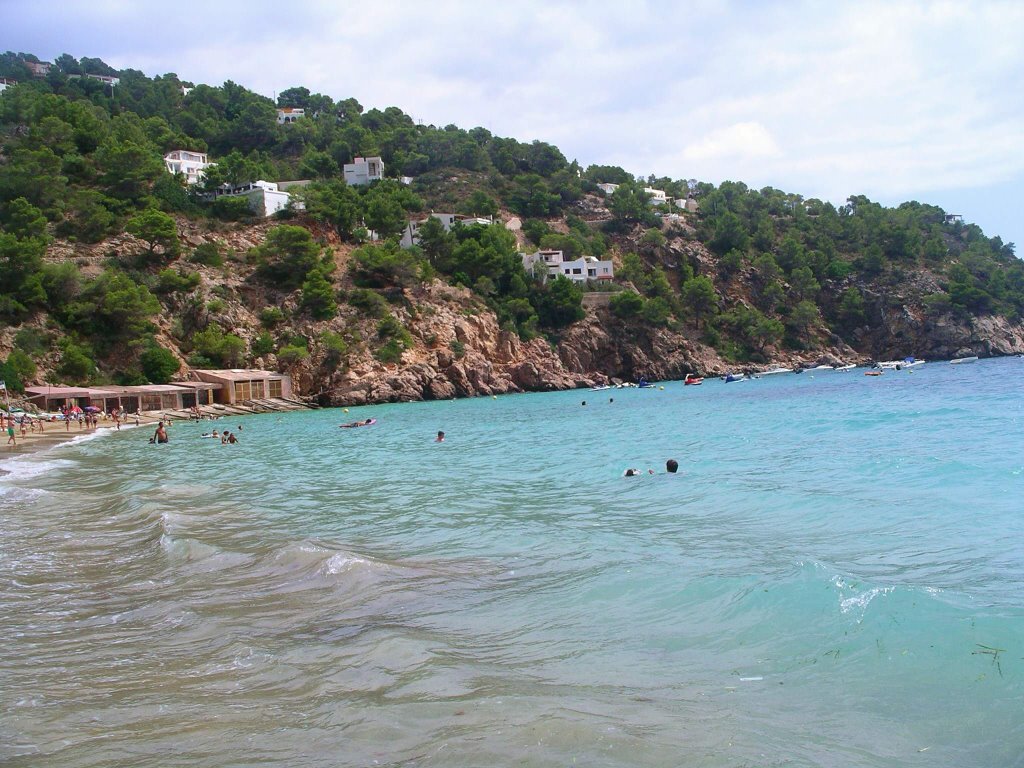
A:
(385, 265)
(271, 317)
(626, 304)
(231, 208)
(32, 341)
(76, 365)
(213, 345)
(390, 352)
(158, 364)
(335, 349)
(207, 254)
(287, 255)
(390, 328)
(653, 237)
(318, 296)
(291, 354)
(458, 349)
(263, 344)
(369, 302)
(173, 281)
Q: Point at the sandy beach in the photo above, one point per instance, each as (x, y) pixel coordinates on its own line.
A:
(54, 433)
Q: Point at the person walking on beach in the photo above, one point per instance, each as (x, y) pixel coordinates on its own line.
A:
(10, 431)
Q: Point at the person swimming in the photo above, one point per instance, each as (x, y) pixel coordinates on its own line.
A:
(366, 423)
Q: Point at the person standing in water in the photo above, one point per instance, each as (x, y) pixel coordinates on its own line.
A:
(161, 433)
(440, 437)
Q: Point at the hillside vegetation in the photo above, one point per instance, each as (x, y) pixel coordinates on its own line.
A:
(111, 270)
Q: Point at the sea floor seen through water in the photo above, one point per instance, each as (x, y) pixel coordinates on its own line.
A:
(834, 577)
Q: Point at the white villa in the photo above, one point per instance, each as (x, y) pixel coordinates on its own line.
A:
(189, 164)
(265, 197)
(363, 170)
(289, 114)
(607, 188)
(578, 270)
(6, 81)
(657, 196)
(410, 235)
(108, 79)
(689, 204)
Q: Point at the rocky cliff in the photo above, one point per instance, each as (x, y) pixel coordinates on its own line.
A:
(458, 349)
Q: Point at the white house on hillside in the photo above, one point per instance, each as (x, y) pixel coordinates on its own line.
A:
(657, 196)
(265, 197)
(689, 204)
(410, 236)
(289, 114)
(608, 189)
(578, 270)
(188, 163)
(363, 170)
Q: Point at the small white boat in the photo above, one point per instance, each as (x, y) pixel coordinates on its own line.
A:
(774, 371)
(819, 369)
(914, 363)
(601, 388)
(962, 360)
(891, 365)
(840, 368)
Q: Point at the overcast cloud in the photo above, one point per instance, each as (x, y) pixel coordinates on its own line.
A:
(895, 100)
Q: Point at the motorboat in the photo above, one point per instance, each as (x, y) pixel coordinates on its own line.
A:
(840, 368)
(693, 379)
(774, 371)
(962, 360)
(601, 388)
(731, 377)
(644, 384)
(819, 369)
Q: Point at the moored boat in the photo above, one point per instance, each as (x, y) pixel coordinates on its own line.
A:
(840, 368)
(774, 371)
(692, 379)
(819, 369)
(962, 360)
(731, 377)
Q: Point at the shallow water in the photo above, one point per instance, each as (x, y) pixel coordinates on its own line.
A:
(835, 578)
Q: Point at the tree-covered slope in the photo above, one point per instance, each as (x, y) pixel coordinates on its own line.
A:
(112, 270)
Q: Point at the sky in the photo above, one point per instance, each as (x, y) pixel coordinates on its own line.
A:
(895, 100)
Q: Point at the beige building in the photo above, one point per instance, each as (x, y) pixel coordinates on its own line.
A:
(145, 397)
(241, 384)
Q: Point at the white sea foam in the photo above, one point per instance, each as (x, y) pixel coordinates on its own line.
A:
(860, 599)
(343, 562)
(187, 549)
(33, 465)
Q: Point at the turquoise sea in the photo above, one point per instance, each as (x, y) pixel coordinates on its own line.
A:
(834, 578)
